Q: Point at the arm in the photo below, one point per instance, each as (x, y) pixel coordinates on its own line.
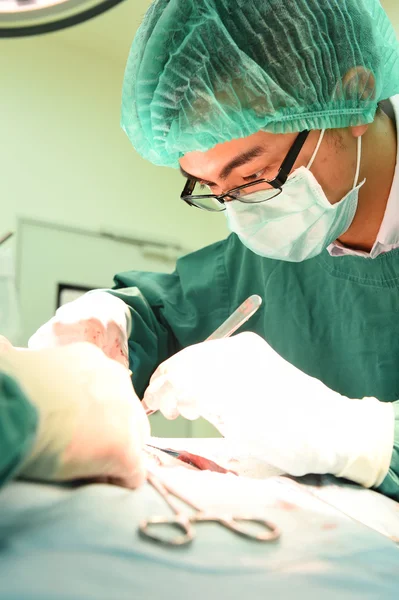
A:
(390, 485)
(82, 420)
(18, 426)
(294, 421)
(172, 311)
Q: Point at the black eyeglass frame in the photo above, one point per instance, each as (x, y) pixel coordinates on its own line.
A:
(276, 183)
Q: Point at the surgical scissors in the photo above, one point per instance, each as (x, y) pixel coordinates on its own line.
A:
(182, 523)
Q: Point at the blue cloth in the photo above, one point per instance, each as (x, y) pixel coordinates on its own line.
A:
(81, 543)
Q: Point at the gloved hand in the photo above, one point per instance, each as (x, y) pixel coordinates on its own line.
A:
(246, 390)
(97, 317)
(91, 423)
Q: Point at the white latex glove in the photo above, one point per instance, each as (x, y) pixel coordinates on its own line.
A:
(246, 390)
(97, 317)
(91, 423)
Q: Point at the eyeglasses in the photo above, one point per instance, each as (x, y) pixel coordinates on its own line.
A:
(270, 188)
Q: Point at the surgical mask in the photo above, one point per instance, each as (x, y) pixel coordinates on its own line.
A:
(299, 223)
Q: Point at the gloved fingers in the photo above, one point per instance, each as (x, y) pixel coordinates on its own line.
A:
(162, 394)
(99, 305)
(97, 427)
(88, 330)
(151, 398)
(140, 432)
(97, 317)
(122, 427)
(185, 383)
(61, 333)
(188, 409)
(111, 339)
(142, 423)
(210, 379)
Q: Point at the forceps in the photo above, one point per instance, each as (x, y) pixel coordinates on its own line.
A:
(181, 525)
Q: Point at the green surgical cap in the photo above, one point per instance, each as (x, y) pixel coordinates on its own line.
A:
(203, 72)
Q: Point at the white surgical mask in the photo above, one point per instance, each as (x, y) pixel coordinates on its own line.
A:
(299, 223)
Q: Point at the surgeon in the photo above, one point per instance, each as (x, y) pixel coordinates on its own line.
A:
(284, 116)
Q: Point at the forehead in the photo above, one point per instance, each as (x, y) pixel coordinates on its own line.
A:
(216, 158)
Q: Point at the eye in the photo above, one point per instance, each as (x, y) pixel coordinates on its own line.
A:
(206, 185)
(256, 176)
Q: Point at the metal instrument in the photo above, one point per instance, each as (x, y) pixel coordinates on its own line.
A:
(194, 460)
(240, 316)
(180, 527)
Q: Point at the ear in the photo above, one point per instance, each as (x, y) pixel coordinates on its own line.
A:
(359, 130)
(357, 84)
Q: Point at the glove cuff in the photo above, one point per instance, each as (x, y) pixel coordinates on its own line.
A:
(369, 441)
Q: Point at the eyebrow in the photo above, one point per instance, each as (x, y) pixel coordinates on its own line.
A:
(238, 161)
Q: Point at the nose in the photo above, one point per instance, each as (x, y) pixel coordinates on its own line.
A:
(231, 197)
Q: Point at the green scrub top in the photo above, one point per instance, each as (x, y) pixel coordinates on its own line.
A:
(335, 318)
(18, 426)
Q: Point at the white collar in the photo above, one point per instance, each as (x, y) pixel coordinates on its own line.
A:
(388, 234)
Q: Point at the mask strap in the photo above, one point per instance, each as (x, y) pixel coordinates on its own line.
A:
(359, 157)
(310, 163)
